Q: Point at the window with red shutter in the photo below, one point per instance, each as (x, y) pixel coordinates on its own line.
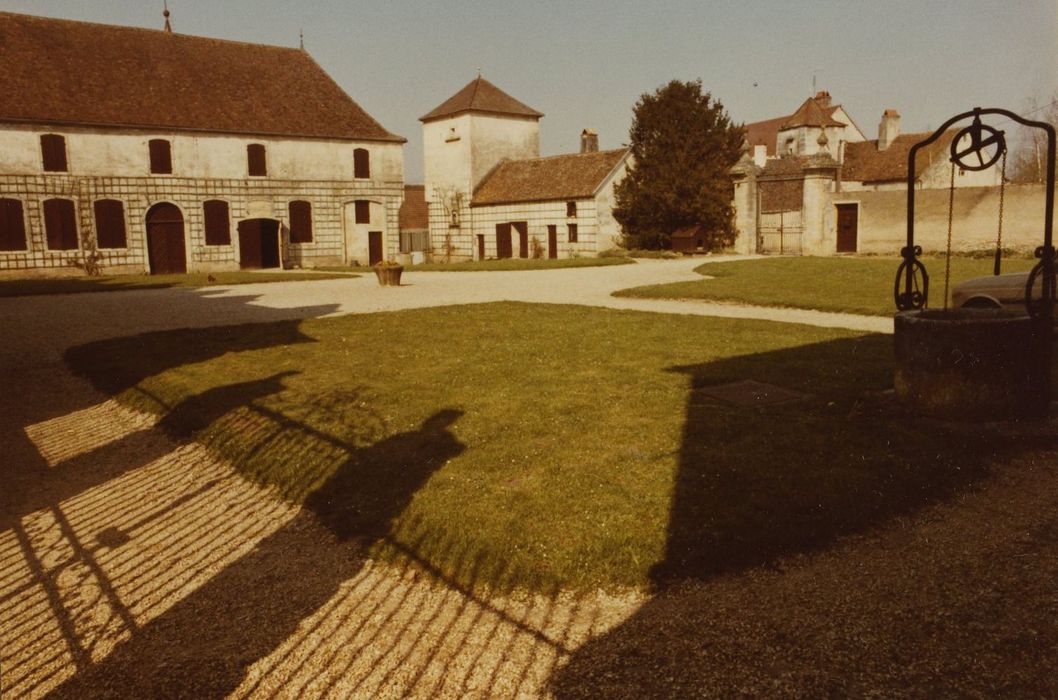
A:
(255, 160)
(161, 156)
(12, 225)
(300, 222)
(363, 211)
(60, 224)
(110, 223)
(361, 163)
(218, 224)
(53, 153)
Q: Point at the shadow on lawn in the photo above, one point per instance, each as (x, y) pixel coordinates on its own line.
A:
(757, 485)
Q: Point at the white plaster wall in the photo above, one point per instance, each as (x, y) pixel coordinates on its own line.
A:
(538, 215)
(851, 132)
(446, 153)
(123, 153)
(609, 233)
(495, 138)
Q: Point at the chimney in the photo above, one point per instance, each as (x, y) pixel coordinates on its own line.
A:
(888, 128)
(589, 141)
(822, 98)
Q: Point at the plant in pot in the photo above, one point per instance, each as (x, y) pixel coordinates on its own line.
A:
(388, 273)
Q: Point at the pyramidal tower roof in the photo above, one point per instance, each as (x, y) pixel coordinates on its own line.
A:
(479, 95)
(810, 113)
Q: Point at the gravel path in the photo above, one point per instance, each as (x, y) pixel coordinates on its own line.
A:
(47, 325)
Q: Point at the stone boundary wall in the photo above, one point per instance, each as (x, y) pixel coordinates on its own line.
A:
(883, 218)
(138, 194)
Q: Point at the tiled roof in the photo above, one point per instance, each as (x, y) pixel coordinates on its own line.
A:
(765, 133)
(414, 213)
(479, 95)
(794, 166)
(64, 72)
(810, 113)
(691, 231)
(573, 176)
(865, 163)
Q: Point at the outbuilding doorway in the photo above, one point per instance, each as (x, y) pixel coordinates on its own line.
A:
(166, 251)
(848, 225)
(258, 244)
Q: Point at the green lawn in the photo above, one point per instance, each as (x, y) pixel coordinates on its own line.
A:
(861, 285)
(75, 285)
(550, 447)
(518, 264)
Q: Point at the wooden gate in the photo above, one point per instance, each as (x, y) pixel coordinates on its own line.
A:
(166, 252)
(780, 233)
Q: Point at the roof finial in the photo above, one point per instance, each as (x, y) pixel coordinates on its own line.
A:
(479, 72)
(165, 13)
(301, 39)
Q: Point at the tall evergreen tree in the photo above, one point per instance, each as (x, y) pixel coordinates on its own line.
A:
(683, 143)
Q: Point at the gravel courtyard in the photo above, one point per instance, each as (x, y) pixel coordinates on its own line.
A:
(106, 522)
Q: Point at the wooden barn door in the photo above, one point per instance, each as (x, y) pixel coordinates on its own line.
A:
(503, 240)
(552, 242)
(848, 220)
(374, 247)
(166, 253)
(523, 238)
(258, 244)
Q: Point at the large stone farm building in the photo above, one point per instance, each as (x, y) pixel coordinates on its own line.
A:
(148, 151)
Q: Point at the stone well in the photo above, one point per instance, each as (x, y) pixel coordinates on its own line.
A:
(972, 364)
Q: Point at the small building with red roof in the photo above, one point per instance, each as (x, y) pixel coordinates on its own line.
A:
(491, 195)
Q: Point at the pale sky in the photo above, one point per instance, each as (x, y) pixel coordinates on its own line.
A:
(584, 64)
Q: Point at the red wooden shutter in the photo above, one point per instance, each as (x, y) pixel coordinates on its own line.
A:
(53, 152)
(110, 223)
(60, 224)
(300, 222)
(12, 225)
(363, 211)
(255, 159)
(218, 225)
(161, 156)
(361, 163)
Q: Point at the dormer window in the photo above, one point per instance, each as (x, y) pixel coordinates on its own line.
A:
(161, 157)
(255, 160)
(361, 164)
(53, 153)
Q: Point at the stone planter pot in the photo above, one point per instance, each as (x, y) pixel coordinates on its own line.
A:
(972, 364)
(389, 275)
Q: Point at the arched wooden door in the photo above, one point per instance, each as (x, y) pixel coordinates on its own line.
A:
(165, 240)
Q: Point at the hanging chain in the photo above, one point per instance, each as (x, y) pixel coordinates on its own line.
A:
(999, 235)
(947, 259)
